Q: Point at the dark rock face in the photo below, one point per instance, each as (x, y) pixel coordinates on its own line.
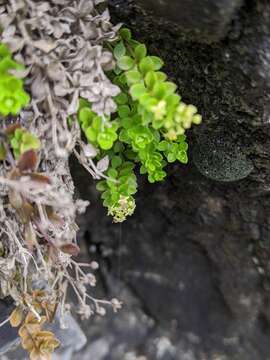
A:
(8, 335)
(205, 20)
(192, 264)
(186, 260)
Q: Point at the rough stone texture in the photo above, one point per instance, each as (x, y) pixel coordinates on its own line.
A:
(187, 276)
(194, 259)
(205, 20)
(218, 158)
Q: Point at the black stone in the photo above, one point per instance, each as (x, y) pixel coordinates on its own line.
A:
(204, 20)
(8, 334)
(219, 158)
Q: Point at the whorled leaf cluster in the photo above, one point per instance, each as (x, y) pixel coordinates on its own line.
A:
(146, 130)
(12, 95)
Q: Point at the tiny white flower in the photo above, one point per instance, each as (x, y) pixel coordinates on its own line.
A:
(159, 110)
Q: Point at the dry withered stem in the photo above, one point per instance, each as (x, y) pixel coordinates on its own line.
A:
(60, 42)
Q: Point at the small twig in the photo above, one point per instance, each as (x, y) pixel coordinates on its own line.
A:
(44, 234)
(5, 321)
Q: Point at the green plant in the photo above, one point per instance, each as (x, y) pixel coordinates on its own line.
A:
(147, 129)
(99, 131)
(19, 140)
(121, 184)
(12, 95)
(22, 140)
(158, 103)
(118, 190)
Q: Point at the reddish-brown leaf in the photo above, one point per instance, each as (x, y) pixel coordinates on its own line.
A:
(71, 249)
(27, 161)
(40, 178)
(10, 130)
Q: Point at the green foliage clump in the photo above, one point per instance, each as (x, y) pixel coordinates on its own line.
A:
(99, 131)
(118, 189)
(22, 140)
(19, 140)
(12, 95)
(147, 129)
(121, 184)
(159, 105)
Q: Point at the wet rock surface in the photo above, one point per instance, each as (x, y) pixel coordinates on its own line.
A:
(192, 264)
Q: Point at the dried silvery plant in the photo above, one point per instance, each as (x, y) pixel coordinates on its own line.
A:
(51, 54)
